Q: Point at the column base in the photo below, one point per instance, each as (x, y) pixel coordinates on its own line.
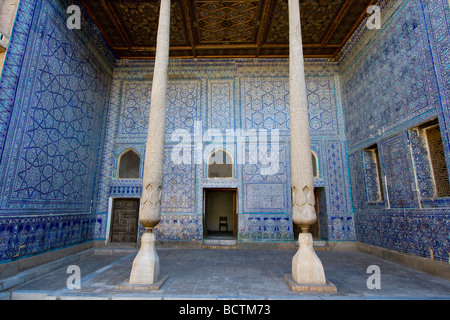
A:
(145, 269)
(328, 287)
(142, 287)
(306, 265)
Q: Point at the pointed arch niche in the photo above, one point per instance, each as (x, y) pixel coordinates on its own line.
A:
(220, 164)
(129, 164)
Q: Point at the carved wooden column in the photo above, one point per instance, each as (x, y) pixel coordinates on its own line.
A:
(145, 268)
(306, 266)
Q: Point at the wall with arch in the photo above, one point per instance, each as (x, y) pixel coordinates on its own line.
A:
(208, 99)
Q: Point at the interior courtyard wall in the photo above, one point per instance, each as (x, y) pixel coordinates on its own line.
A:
(54, 92)
(393, 80)
(230, 94)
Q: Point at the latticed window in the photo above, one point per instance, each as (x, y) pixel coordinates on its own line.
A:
(220, 165)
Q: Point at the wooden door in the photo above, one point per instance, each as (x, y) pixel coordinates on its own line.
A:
(124, 226)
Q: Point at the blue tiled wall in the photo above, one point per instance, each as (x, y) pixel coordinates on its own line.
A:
(59, 169)
(54, 92)
(396, 79)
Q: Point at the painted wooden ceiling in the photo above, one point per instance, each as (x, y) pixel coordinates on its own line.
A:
(222, 28)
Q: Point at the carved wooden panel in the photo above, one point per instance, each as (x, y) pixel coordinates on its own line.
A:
(226, 28)
(124, 225)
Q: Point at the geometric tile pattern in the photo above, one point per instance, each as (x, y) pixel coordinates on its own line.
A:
(266, 104)
(372, 177)
(178, 193)
(134, 119)
(223, 100)
(54, 86)
(400, 182)
(60, 132)
(392, 77)
(53, 157)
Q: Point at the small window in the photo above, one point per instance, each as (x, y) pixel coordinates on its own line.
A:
(129, 163)
(372, 170)
(437, 160)
(220, 165)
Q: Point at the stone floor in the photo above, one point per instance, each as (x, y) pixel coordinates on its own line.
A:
(229, 274)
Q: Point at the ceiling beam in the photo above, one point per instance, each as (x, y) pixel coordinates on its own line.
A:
(224, 47)
(97, 24)
(229, 56)
(115, 20)
(266, 23)
(189, 25)
(355, 26)
(305, 45)
(337, 21)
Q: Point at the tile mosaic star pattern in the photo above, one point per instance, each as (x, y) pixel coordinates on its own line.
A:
(52, 156)
(55, 123)
(57, 153)
(227, 21)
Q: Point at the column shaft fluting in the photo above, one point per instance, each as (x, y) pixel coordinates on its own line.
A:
(302, 178)
(145, 269)
(149, 215)
(306, 266)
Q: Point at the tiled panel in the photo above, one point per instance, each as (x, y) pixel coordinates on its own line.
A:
(221, 113)
(392, 81)
(419, 232)
(25, 236)
(399, 172)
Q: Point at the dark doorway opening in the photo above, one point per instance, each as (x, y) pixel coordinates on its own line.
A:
(220, 215)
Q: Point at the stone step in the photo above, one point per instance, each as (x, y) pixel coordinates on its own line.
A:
(219, 242)
(318, 245)
(220, 247)
(112, 251)
(229, 244)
